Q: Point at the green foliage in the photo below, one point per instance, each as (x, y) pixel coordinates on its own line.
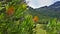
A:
(0, 5)
(19, 22)
(53, 26)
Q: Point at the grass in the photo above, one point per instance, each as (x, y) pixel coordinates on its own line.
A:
(39, 29)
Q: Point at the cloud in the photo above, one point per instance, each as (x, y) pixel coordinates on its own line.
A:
(40, 3)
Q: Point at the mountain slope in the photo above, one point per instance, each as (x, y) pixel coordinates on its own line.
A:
(55, 6)
(48, 11)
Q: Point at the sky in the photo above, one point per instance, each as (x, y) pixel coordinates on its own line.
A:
(40, 3)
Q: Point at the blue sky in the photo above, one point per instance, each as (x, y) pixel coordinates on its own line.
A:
(40, 3)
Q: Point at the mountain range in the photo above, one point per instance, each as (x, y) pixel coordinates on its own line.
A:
(47, 11)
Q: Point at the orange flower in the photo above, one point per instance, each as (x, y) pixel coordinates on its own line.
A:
(35, 19)
(10, 11)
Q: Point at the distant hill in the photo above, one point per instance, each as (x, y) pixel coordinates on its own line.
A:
(55, 6)
(47, 11)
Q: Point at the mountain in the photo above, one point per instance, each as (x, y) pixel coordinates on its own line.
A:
(47, 11)
(55, 6)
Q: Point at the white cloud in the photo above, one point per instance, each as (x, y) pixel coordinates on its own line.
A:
(39, 3)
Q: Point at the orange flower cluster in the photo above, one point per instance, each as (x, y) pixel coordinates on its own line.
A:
(35, 19)
(10, 11)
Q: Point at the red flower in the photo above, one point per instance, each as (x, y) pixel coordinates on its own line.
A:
(10, 11)
(35, 19)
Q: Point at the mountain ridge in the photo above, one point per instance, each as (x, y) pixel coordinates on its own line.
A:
(50, 11)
